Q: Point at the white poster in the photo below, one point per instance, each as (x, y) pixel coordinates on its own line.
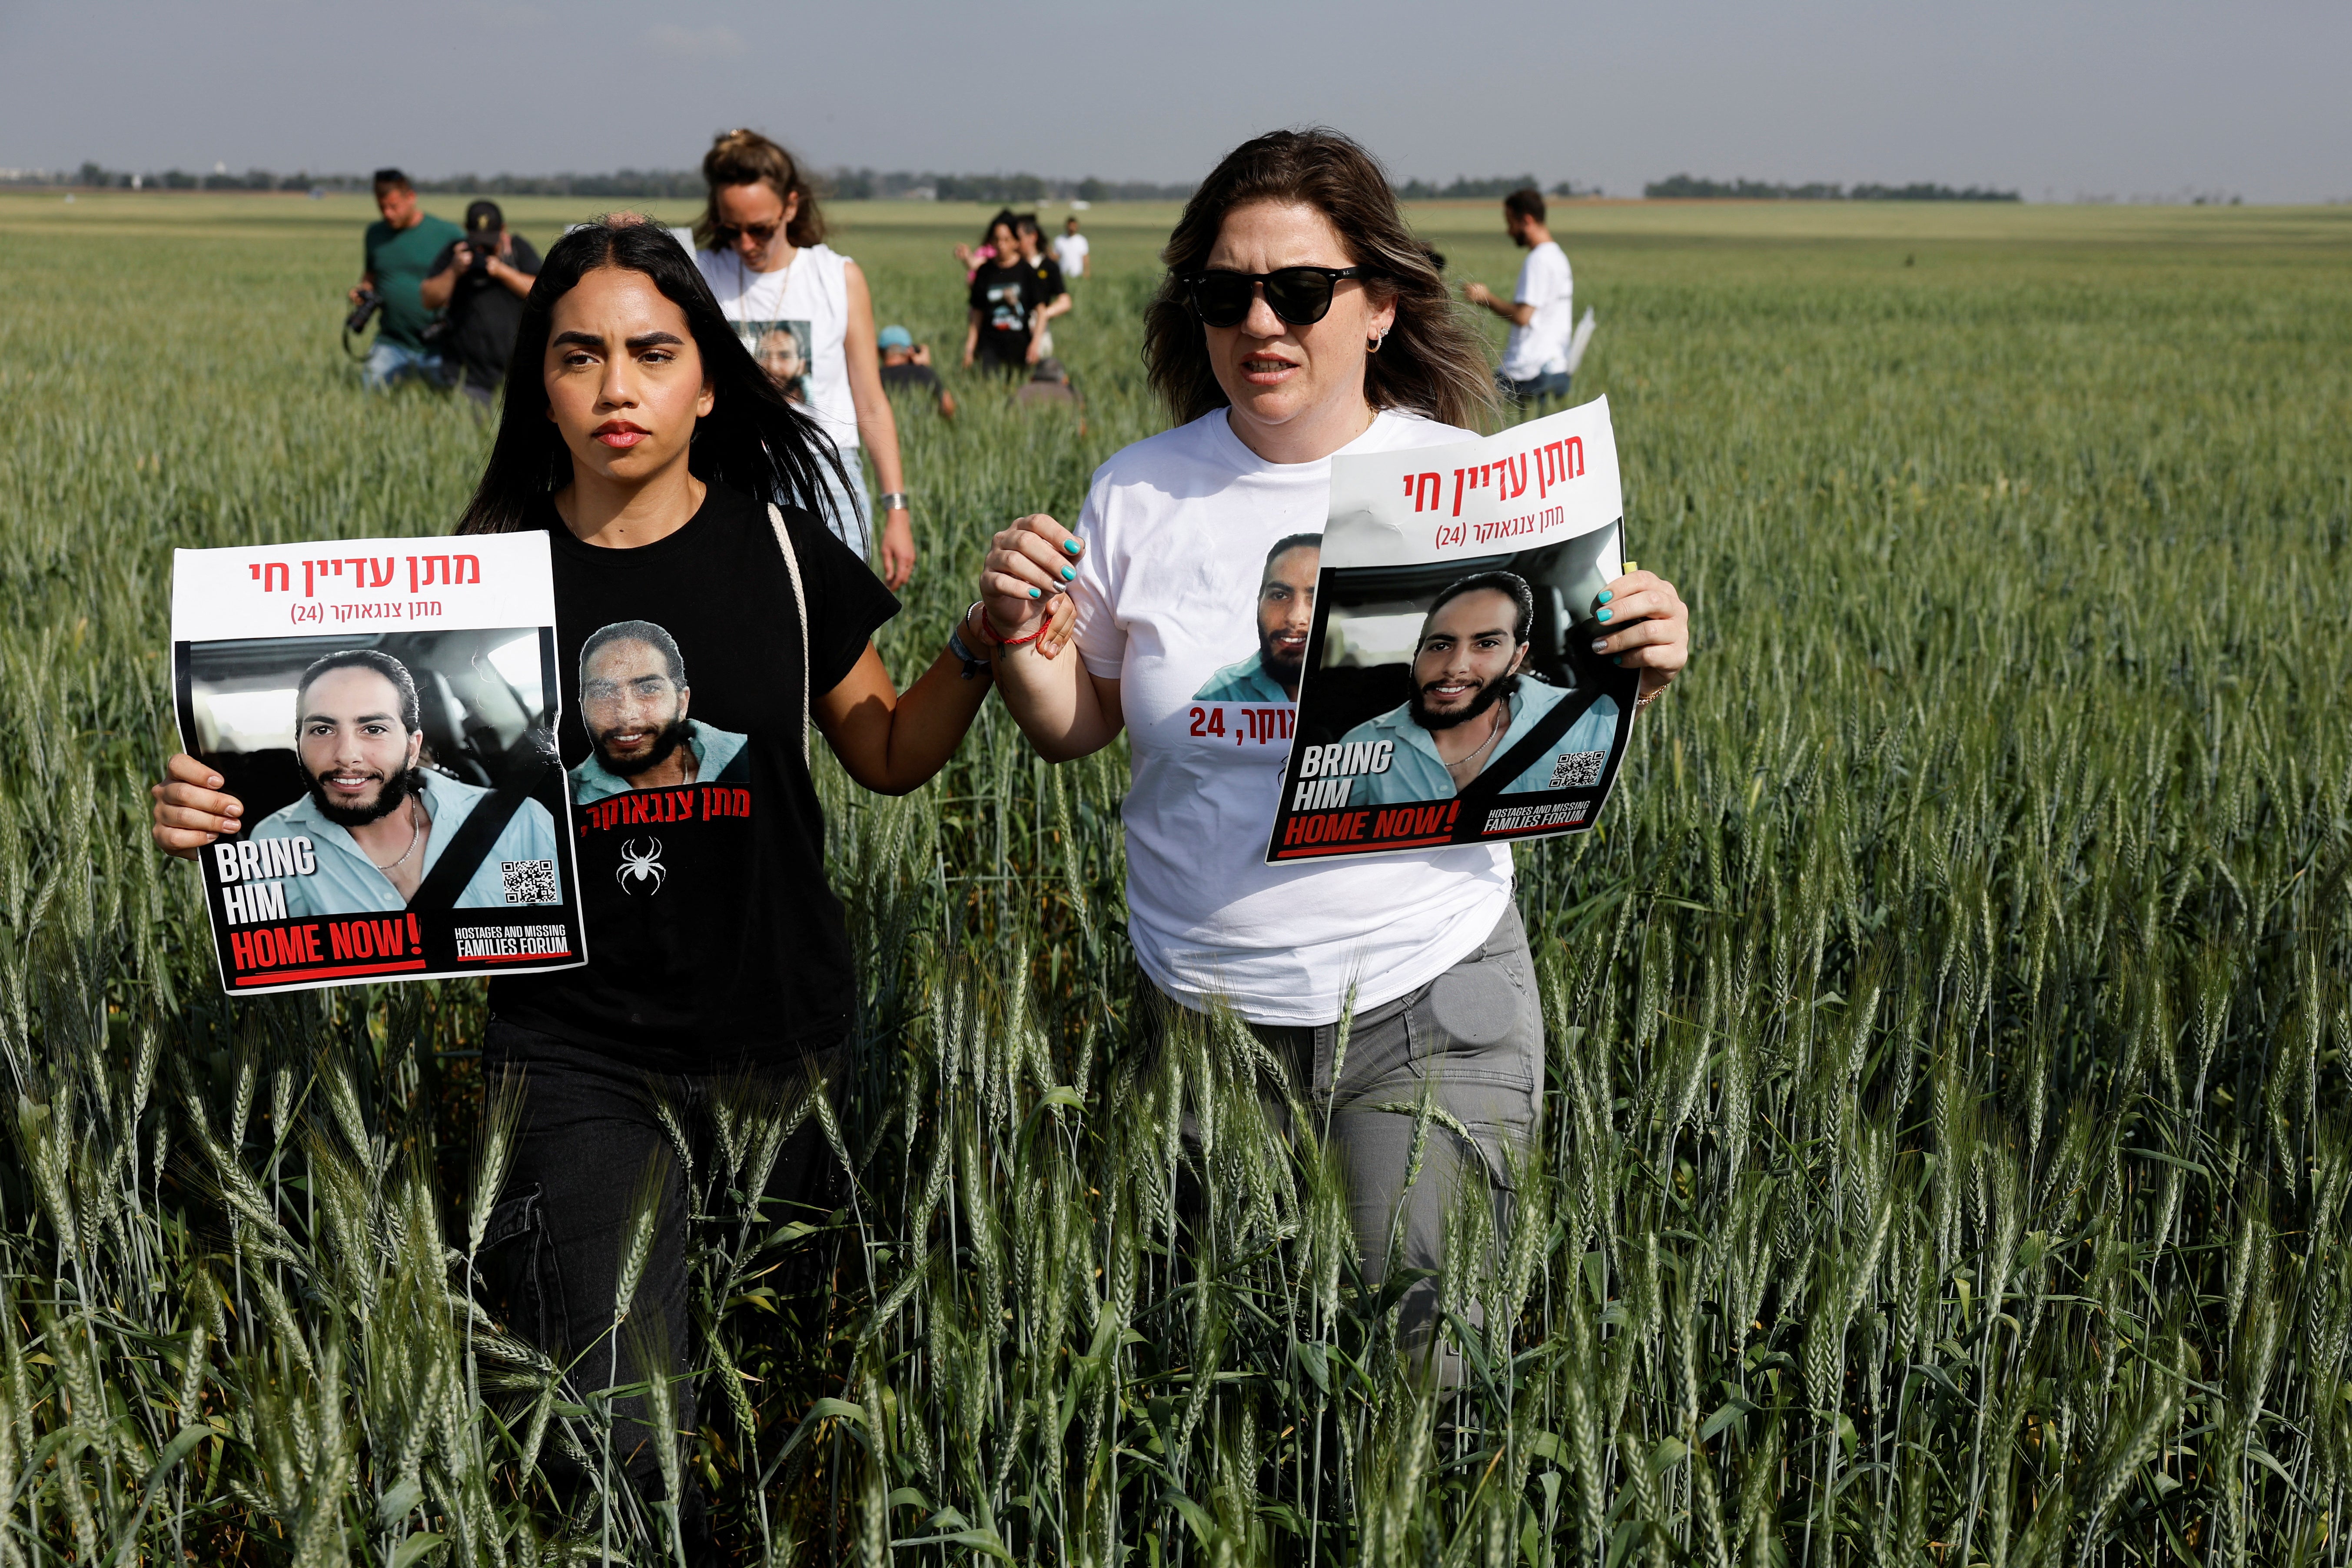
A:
(384, 710)
(1450, 694)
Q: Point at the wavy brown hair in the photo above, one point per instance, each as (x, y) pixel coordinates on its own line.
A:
(746, 158)
(1433, 362)
(754, 439)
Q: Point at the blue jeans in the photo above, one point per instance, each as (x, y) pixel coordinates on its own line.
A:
(1551, 384)
(849, 514)
(389, 362)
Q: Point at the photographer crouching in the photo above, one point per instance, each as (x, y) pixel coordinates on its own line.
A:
(401, 246)
(482, 280)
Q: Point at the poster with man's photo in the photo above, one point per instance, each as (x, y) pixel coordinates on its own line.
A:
(1447, 689)
(386, 712)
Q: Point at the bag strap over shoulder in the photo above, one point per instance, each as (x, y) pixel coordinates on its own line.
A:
(799, 614)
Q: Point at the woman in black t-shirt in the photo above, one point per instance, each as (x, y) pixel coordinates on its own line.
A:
(999, 328)
(709, 617)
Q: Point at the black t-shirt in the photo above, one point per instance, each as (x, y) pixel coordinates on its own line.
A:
(713, 941)
(484, 314)
(1050, 286)
(910, 377)
(1004, 297)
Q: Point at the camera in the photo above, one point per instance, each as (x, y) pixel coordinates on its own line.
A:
(363, 311)
(481, 246)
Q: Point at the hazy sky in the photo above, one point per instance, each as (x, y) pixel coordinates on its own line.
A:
(2050, 98)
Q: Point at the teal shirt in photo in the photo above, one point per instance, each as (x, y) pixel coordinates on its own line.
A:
(347, 882)
(1416, 772)
(1245, 682)
(400, 260)
(713, 750)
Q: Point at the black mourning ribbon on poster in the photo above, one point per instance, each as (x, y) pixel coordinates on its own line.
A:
(459, 862)
(1480, 793)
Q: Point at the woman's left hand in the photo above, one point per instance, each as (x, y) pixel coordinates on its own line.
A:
(897, 549)
(1644, 625)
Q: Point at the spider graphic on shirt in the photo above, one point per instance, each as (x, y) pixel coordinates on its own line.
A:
(639, 867)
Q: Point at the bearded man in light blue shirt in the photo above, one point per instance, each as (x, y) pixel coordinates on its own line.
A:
(1285, 613)
(1468, 704)
(378, 821)
(634, 697)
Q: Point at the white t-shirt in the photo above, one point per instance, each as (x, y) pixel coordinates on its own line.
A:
(1542, 346)
(1070, 250)
(1177, 529)
(796, 315)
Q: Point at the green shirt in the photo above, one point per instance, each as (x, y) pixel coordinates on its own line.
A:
(401, 259)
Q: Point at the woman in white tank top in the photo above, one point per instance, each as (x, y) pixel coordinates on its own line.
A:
(803, 310)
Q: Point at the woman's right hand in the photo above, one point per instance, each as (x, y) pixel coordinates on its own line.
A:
(190, 810)
(1029, 569)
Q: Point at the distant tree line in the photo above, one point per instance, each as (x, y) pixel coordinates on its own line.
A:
(1686, 186)
(686, 184)
(1491, 189)
(669, 184)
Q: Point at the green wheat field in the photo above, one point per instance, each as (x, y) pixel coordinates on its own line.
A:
(1946, 1153)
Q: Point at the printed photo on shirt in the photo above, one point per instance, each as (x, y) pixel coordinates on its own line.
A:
(783, 349)
(1007, 304)
(635, 702)
(408, 814)
(1286, 615)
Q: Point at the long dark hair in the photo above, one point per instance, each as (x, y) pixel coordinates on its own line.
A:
(754, 439)
(1433, 362)
(747, 158)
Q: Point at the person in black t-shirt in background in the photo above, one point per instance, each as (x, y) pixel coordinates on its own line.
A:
(1053, 289)
(678, 488)
(1000, 331)
(483, 279)
(906, 367)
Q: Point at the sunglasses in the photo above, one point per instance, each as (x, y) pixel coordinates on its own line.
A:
(726, 234)
(1301, 296)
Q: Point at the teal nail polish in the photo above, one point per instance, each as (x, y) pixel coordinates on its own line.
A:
(1071, 545)
(1618, 660)
(1605, 596)
(1069, 572)
(1035, 593)
(1604, 614)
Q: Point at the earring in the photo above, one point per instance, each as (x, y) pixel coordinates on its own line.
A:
(1373, 347)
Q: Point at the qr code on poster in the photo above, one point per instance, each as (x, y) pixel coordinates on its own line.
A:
(530, 881)
(1578, 769)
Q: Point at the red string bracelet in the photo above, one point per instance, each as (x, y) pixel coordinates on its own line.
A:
(990, 634)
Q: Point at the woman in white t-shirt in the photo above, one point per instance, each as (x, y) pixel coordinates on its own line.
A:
(1301, 318)
(800, 305)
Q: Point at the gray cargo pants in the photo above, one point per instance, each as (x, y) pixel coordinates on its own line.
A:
(1473, 1040)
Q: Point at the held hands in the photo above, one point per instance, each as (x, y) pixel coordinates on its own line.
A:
(1025, 582)
(1645, 626)
(190, 810)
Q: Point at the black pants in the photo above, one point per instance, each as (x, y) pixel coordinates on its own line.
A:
(589, 1141)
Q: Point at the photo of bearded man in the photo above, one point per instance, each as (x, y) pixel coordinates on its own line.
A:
(634, 702)
(1285, 613)
(1468, 700)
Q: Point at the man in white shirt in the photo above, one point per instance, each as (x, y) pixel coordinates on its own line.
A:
(1070, 249)
(1540, 310)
